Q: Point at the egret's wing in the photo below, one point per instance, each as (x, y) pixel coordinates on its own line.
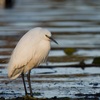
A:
(22, 54)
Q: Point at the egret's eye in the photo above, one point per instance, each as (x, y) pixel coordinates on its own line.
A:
(47, 36)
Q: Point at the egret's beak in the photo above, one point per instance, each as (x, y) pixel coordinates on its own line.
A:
(53, 40)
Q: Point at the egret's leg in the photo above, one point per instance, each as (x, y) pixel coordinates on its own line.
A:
(29, 82)
(24, 83)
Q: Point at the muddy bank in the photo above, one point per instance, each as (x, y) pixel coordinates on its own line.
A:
(86, 97)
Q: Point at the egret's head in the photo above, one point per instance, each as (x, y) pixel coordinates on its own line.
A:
(42, 33)
(48, 36)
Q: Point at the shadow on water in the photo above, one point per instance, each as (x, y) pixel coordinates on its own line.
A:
(71, 73)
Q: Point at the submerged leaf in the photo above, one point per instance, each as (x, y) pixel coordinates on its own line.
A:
(96, 60)
(69, 51)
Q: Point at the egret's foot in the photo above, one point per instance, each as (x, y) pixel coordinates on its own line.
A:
(31, 94)
(28, 97)
(26, 94)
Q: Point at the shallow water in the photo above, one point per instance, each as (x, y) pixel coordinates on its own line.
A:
(76, 27)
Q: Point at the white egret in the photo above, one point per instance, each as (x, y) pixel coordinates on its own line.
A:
(31, 50)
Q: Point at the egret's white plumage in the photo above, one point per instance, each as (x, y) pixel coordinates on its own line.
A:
(31, 50)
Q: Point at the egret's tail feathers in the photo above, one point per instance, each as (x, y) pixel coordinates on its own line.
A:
(14, 74)
(14, 77)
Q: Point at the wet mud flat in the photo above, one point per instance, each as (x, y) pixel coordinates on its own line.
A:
(67, 76)
(56, 84)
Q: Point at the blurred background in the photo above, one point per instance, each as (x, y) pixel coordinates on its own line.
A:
(71, 70)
